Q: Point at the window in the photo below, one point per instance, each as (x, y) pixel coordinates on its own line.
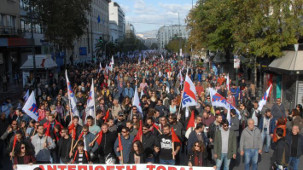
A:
(1, 20)
(22, 23)
(10, 20)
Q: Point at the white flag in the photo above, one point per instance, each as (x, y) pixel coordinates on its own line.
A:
(71, 96)
(31, 108)
(189, 93)
(90, 106)
(136, 102)
(111, 64)
(262, 102)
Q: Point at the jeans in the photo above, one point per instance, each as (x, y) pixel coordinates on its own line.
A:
(251, 156)
(268, 140)
(167, 162)
(220, 161)
(293, 163)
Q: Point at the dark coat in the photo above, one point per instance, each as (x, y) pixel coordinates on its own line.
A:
(64, 148)
(193, 155)
(26, 159)
(193, 138)
(107, 143)
(131, 159)
(300, 143)
(281, 151)
(149, 140)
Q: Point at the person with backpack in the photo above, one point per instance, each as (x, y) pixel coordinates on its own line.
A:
(281, 153)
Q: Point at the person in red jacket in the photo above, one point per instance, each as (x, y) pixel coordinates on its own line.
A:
(52, 128)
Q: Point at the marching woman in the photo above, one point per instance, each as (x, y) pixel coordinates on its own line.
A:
(23, 155)
(136, 156)
(198, 155)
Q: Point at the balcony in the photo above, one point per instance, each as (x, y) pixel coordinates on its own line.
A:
(10, 31)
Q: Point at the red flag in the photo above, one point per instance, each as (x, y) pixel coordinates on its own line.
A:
(174, 137)
(72, 130)
(139, 133)
(99, 139)
(155, 126)
(191, 122)
(106, 116)
(47, 133)
(80, 136)
(120, 143)
(15, 141)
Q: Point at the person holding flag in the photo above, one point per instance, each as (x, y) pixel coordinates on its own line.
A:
(149, 142)
(93, 128)
(42, 145)
(123, 145)
(106, 143)
(192, 122)
(169, 146)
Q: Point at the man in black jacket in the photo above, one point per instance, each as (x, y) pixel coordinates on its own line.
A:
(64, 146)
(149, 142)
(106, 148)
(296, 147)
(281, 151)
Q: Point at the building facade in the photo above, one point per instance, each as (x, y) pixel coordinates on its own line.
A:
(98, 26)
(116, 22)
(16, 40)
(166, 33)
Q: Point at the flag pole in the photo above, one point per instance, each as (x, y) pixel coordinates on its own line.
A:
(94, 102)
(121, 151)
(94, 140)
(173, 149)
(182, 95)
(77, 141)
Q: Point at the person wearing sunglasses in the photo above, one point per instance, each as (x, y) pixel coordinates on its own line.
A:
(150, 142)
(126, 140)
(197, 156)
(225, 145)
(23, 155)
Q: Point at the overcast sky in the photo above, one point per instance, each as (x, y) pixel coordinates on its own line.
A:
(147, 15)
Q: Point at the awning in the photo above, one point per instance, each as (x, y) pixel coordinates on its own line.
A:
(290, 61)
(42, 62)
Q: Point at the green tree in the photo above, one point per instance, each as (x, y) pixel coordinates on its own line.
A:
(210, 26)
(255, 27)
(131, 43)
(175, 43)
(63, 21)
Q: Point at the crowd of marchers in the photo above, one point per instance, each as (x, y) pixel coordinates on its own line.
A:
(157, 132)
